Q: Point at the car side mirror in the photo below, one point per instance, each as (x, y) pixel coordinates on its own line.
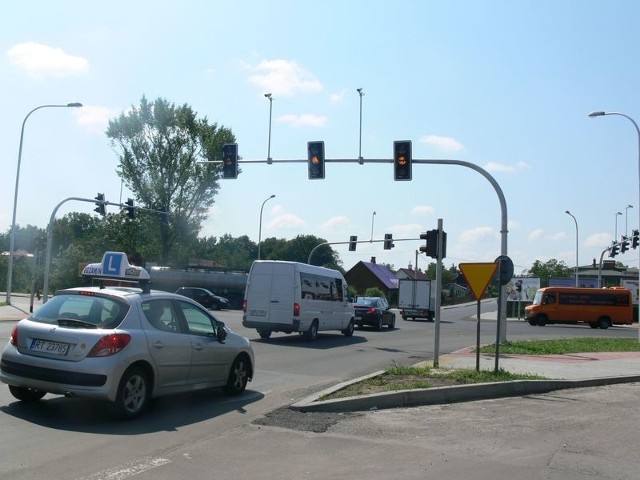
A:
(222, 332)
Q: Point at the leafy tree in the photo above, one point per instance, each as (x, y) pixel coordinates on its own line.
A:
(159, 147)
(546, 270)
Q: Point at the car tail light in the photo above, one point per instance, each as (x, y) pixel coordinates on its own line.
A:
(296, 309)
(13, 339)
(110, 345)
(371, 310)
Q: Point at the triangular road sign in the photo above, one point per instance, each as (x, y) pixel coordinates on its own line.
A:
(478, 276)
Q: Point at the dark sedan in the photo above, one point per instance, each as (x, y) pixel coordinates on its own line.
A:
(204, 297)
(374, 311)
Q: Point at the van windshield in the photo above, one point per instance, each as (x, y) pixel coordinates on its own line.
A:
(537, 299)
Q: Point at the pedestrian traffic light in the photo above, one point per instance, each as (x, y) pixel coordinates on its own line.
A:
(624, 245)
(402, 160)
(230, 160)
(315, 156)
(100, 208)
(131, 210)
(388, 241)
(353, 239)
(613, 250)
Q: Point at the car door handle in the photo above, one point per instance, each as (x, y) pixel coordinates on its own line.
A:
(198, 346)
(158, 344)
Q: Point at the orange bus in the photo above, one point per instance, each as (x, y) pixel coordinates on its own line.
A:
(599, 307)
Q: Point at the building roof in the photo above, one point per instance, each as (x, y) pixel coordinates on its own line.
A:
(411, 274)
(386, 276)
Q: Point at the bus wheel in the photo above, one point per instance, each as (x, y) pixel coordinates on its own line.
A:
(604, 323)
(312, 333)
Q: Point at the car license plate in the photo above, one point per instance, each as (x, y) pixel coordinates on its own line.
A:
(46, 346)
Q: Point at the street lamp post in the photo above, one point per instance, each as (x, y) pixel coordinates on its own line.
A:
(361, 93)
(15, 195)
(576, 222)
(373, 216)
(270, 97)
(600, 114)
(615, 236)
(260, 228)
(626, 219)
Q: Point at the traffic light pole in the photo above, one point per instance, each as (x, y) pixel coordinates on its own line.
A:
(47, 262)
(502, 297)
(436, 345)
(313, 250)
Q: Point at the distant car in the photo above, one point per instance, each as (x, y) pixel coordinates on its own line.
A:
(374, 311)
(122, 344)
(204, 297)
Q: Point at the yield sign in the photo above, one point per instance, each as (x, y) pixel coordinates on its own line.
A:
(478, 276)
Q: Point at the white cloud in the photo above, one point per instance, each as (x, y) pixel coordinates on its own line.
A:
(477, 234)
(446, 144)
(337, 97)
(501, 167)
(282, 219)
(41, 61)
(535, 235)
(422, 210)
(556, 236)
(284, 78)
(305, 120)
(95, 118)
(335, 222)
(598, 240)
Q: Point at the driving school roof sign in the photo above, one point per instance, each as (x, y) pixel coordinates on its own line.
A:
(478, 276)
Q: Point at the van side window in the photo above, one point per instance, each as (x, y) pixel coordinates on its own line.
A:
(549, 298)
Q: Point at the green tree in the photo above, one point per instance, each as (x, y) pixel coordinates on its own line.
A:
(548, 269)
(160, 147)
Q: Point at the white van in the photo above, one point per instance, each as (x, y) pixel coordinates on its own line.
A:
(295, 297)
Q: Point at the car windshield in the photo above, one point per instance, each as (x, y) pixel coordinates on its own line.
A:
(81, 311)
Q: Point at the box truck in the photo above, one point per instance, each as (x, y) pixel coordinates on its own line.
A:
(416, 299)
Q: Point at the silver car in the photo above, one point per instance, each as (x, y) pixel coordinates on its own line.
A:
(125, 345)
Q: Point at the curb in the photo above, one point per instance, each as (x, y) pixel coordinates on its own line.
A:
(444, 395)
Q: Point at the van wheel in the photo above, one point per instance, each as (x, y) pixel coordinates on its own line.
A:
(264, 333)
(593, 325)
(542, 321)
(348, 332)
(312, 333)
(604, 323)
(533, 321)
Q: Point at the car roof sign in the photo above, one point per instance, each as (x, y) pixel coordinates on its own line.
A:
(116, 266)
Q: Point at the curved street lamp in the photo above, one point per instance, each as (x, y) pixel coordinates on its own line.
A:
(269, 160)
(601, 114)
(12, 238)
(260, 228)
(576, 222)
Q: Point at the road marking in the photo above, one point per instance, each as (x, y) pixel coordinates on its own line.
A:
(128, 470)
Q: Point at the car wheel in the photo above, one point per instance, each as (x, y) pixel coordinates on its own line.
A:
(133, 393)
(264, 333)
(379, 323)
(312, 333)
(392, 322)
(348, 332)
(26, 394)
(238, 376)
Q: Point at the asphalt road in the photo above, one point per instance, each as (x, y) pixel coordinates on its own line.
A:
(585, 433)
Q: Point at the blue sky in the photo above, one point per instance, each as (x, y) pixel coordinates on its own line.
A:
(506, 85)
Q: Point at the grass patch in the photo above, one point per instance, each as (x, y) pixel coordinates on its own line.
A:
(410, 377)
(400, 377)
(565, 345)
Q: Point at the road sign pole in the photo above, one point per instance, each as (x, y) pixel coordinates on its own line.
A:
(478, 339)
(436, 346)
